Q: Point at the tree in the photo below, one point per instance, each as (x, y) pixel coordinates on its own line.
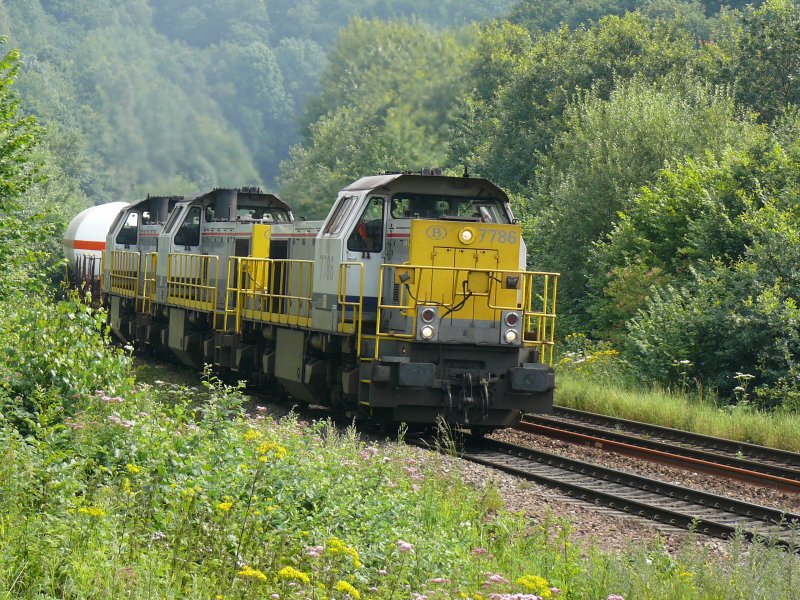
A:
(385, 104)
(18, 172)
(528, 113)
(611, 148)
(768, 65)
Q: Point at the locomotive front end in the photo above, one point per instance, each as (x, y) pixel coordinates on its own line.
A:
(464, 330)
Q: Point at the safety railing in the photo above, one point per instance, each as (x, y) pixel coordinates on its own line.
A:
(351, 307)
(148, 281)
(473, 294)
(123, 273)
(271, 291)
(192, 281)
(232, 317)
(539, 316)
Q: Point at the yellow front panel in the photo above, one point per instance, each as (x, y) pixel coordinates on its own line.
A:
(469, 252)
(261, 239)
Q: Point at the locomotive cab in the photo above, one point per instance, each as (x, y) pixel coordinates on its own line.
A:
(452, 322)
(196, 267)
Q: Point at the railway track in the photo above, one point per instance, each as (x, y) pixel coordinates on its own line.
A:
(757, 464)
(674, 505)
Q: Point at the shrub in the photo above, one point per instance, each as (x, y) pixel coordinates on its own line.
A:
(53, 355)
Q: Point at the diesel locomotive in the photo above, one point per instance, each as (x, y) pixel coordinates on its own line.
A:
(410, 302)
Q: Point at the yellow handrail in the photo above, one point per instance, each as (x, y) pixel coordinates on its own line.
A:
(354, 307)
(274, 291)
(124, 273)
(538, 307)
(191, 281)
(149, 281)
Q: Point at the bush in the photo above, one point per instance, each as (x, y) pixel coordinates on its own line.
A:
(53, 356)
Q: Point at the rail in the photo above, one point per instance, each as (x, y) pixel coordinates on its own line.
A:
(123, 273)
(683, 449)
(679, 506)
(148, 281)
(351, 310)
(273, 291)
(459, 290)
(191, 281)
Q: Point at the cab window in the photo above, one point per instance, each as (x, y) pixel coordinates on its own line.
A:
(129, 232)
(367, 236)
(336, 221)
(455, 208)
(173, 218)
(189, 232)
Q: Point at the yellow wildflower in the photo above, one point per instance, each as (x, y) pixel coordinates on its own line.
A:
(92, 511)
(292, 574)
(132, 469)
(335, 546)
(252, 434)
(537, 585)
(224, 506)
(270, 448)
(685, 575)
(343, 586)
(251, 573)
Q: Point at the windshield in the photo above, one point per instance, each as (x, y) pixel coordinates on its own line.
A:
(262, 213)
(454, 208)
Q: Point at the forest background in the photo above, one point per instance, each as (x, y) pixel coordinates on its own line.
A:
(650, 146)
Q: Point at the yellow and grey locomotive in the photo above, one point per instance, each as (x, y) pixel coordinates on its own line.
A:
(409, 302)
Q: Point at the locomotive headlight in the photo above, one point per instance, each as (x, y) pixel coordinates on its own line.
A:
(510, 336)
(512, 319)
(427, 332)
(428, 315)
(466, 235)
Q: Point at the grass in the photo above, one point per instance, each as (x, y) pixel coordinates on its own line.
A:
(163, 491)
(678, 410)
(170, 493)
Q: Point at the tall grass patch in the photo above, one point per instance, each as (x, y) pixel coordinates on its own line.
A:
(135, 491)
(678, 409)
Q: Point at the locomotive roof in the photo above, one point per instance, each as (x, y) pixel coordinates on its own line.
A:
(479, 184)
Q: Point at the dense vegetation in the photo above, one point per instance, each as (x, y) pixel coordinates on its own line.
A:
(172, 95)
(652, 156)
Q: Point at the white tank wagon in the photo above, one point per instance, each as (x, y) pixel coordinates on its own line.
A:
(85, 239)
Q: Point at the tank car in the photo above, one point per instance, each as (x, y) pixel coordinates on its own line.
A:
(84, 243)
(409, 302)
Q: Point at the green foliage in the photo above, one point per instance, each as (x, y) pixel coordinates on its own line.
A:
(384, 105)
(22, 230)
(174, 492)
(701, 267)
(17, 137)
(730, 320)
(175, 96)
(529, 110)
(768, 58)
(52, 357)
(597, 361)
(610, 148)
(545, 15)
